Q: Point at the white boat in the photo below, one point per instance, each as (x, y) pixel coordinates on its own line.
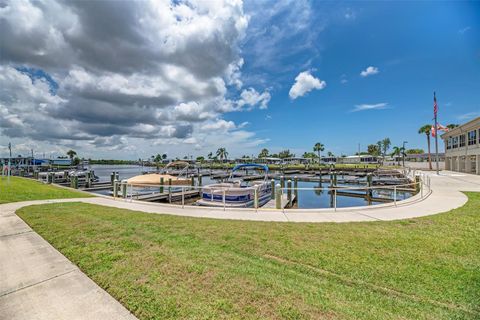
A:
(237, 194)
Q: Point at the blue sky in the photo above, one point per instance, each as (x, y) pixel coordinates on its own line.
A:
(130, 79)
(417, 47)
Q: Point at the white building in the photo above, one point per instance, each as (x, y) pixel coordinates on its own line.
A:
(462, 147)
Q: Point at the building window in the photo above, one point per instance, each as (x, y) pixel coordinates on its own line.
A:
(449, 143)
(462, 140)
(472, 137)
(454, 142)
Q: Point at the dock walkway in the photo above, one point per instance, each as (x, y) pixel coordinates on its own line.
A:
(272, 203)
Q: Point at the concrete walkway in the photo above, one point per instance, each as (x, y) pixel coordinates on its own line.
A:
(38, 282)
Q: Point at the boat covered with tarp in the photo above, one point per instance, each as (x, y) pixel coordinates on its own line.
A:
(180, 179)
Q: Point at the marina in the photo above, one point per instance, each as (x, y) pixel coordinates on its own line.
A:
(186, 184)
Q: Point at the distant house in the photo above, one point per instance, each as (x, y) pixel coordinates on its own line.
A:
(363, 159)
(297, 160)
(269, 160)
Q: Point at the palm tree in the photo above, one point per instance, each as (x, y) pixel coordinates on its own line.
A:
(398, 151)
(209, 155)
(264, 153)
(386, 143)
(427, 129)
(318, 147)
(71, 154)
(451, 126)
(222, 153)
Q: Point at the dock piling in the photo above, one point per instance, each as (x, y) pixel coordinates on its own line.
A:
(124, 189)
(278, 196)
(272, 182)
(295, 188)
(115, 188)
(289, 192)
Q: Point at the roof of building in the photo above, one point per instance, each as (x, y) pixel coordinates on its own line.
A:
(459, 129)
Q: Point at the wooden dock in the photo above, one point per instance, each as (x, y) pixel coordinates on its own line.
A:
(99, 186)
(174, 197)
(271, 204)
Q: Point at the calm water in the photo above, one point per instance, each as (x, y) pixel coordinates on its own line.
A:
(307, 199)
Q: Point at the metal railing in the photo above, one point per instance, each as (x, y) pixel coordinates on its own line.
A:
(420, 186)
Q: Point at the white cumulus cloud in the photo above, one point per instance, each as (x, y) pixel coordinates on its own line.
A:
(369, 71)
(305, 83)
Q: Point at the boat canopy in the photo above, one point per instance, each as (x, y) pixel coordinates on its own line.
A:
(250, 165)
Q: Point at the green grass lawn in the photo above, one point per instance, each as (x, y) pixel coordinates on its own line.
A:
(165, 267)
(22, 189)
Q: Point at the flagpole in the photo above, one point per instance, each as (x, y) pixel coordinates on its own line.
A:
(436, 131)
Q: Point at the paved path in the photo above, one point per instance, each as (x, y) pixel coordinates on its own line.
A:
(38, 282)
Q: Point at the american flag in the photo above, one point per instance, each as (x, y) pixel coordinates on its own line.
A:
(435, 107)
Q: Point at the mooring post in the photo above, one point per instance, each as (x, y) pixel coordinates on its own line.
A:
(289, 192)
(193, 181)
(170, 190)
(87, 180)
(295, 188)
(117, 175)
(255, 197)
(162, 182)
(75, 182)
(272, 183)
(124, 189)
(112, 177)
(199, 179)
(417, 183)
(278, 196)
(335, 178)
(115, 188)
(282, 182)
(331, 179)
(369, 187)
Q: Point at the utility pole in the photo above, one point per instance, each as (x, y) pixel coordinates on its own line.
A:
(9, 161)
(33, 162)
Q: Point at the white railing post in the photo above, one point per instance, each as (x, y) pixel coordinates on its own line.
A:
(395, 195)
(223, 199)
(335, 200)
(183, 196)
